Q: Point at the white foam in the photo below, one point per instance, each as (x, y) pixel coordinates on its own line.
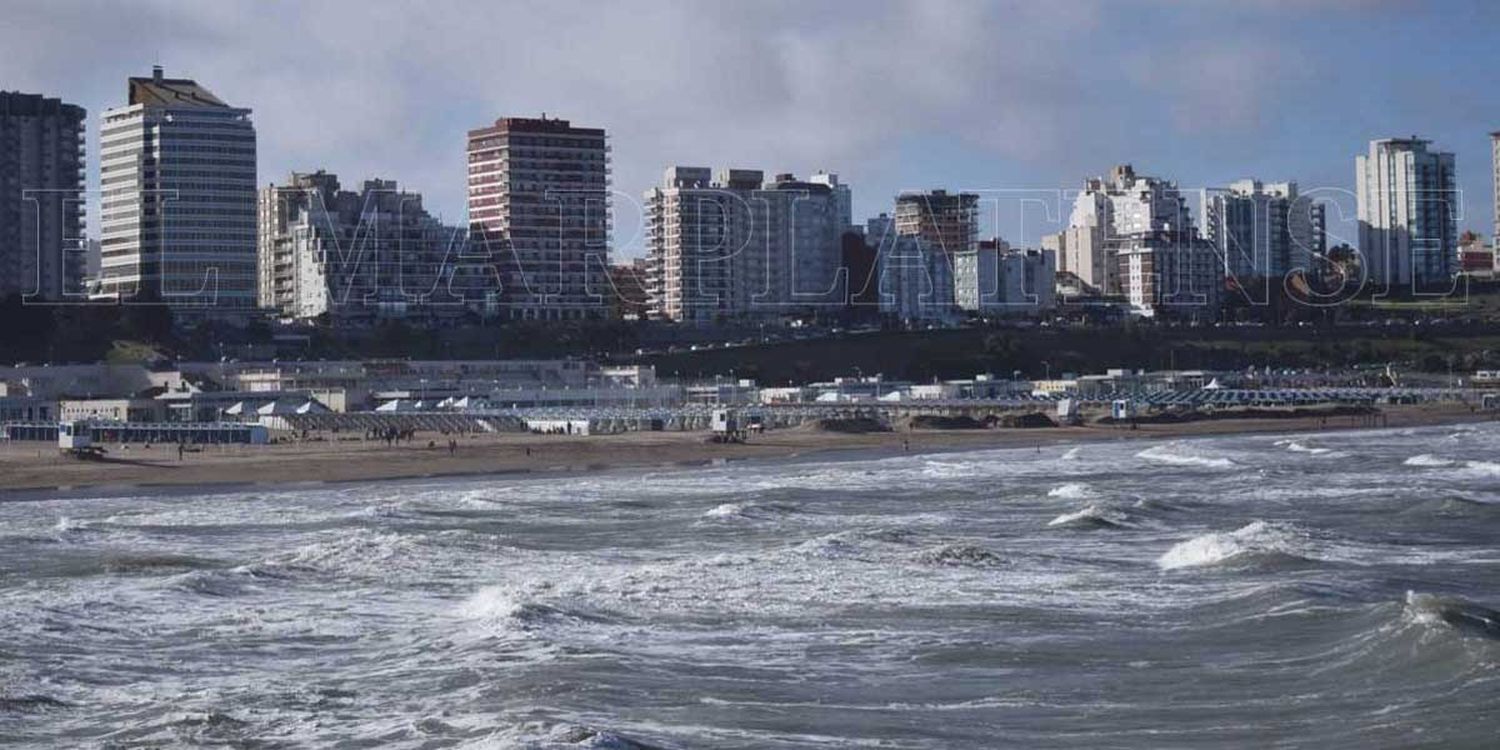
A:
(65, 525)
(1169, 455)
(1092, 514)
(1483, 467)
(1296, 447)
(949, 469)
(830, 546)
(1072, 453)
(726, 510)
(1212, 549)
(1428, 460)
(1072, 491)
(490, 604)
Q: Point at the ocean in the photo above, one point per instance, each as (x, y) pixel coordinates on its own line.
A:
(1328, 590)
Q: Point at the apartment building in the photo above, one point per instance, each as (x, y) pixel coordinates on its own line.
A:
(1408, 209)
(178, 224)
(41, 197)
(357, 257)
(730, 244)
(539, 205)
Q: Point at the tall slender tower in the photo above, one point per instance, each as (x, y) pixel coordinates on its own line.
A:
(1495, 170)
(539, 202)
(177, 169)
(1408, 203)
(41, 184)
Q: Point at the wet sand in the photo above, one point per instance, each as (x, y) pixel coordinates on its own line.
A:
(39, 466)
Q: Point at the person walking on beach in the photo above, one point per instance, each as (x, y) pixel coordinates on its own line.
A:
(452, 446)
(179, 450)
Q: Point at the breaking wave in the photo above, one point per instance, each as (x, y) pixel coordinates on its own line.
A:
(1462, 615)
(1483, 467)
(853, 544)
(1297, 446)
(1257, 541)
(960, 555)
(1168, 454)
(501, 610)
(1429, 461)
(1093, 517)
(538, 736)
(1072, 491)
(747, 511)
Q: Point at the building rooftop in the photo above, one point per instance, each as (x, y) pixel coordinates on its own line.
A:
(17, 104)
(541, 124)
(159, 91)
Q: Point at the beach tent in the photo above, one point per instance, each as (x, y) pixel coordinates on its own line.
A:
(283, 408)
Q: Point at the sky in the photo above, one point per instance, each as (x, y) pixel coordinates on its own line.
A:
(1019, 101)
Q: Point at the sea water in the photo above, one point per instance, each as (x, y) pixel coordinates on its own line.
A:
(1332, 590)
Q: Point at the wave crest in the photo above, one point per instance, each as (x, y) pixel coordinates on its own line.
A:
(1462, 615)
(1428, 460)
(1093, 517)
(1257, 540)
(1168, 454)
(960, 555)
(1072, 491)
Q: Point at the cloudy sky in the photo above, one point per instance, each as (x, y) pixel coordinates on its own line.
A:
(1017, 98)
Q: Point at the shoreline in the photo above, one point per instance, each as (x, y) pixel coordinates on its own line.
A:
(36, 471)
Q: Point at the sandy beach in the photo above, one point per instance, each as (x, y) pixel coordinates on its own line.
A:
(33, 467)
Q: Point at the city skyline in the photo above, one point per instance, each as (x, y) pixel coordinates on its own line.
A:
(896, 97)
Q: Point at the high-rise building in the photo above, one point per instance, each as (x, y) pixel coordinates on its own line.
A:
(1495, 173)
(949, 222)
(356, 258)
(1262, 230)
(916, 275)
(731, 244)
(41, 196)
(995, 279)
(1408, 204)
(177, 171)
(1133, 235)
(842, 196)
(539, 203)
